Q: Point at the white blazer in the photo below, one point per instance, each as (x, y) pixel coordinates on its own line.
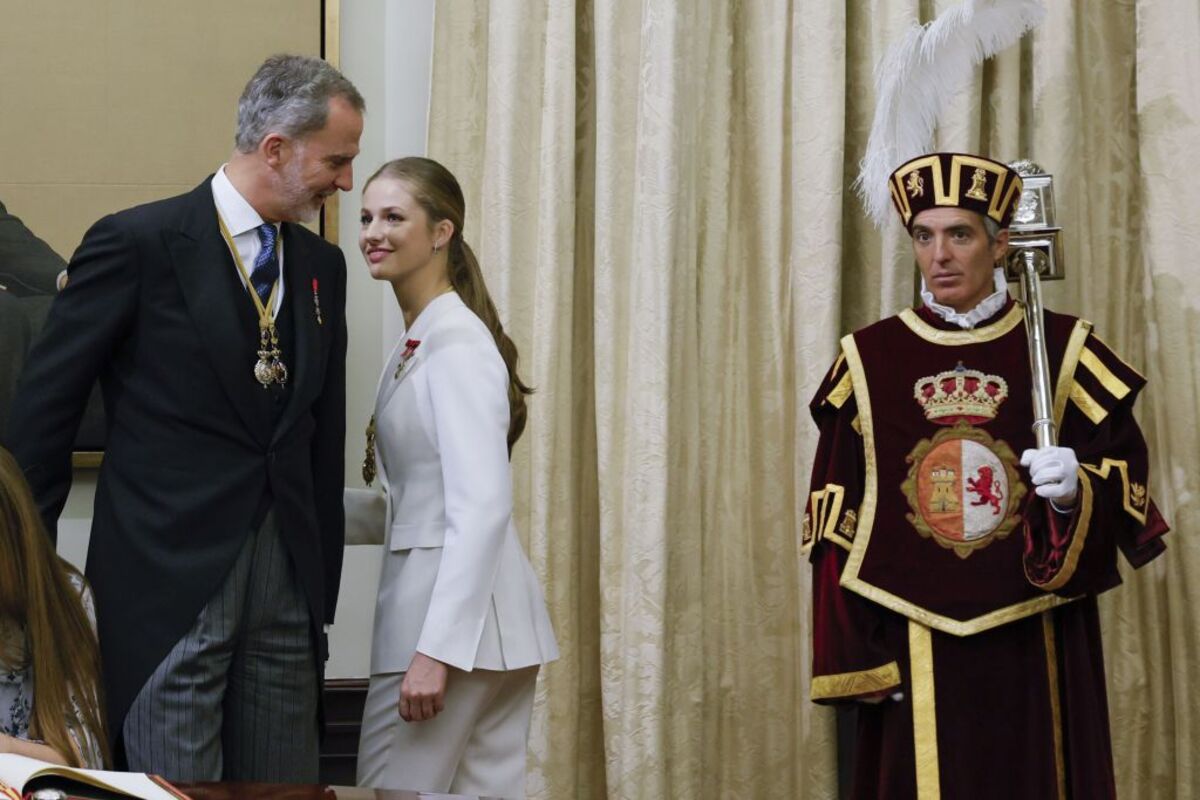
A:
(455, 583)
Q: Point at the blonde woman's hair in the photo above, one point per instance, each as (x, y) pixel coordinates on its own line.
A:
(437, 192)
(36, 593)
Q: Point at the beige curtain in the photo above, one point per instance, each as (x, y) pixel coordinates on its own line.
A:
(658, 193)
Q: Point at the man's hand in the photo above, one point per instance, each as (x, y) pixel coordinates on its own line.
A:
(423, 690)
(1054, 472)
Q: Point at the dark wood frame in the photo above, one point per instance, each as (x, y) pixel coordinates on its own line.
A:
(344, 702)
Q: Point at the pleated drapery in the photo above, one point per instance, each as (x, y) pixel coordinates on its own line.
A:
(658, 192)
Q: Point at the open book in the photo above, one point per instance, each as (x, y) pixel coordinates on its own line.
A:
(27, 774)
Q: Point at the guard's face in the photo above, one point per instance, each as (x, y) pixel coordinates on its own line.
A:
(395, 234)
(319, 164)
(955, 257)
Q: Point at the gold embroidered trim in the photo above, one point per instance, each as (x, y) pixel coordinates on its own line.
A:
(841, 542)
(1125, 363)
(1055, 709)
(1075, 548)
(826, 507)
(901, 200)
(1014, 317)
(924, 706)
(979, 176)
(832, 511)
(1087, 404)
(838, 394)
(1066, 372)
(851, 684)
(1114, 385)
(939, 184)
(1134, 499)
(866, 522)
(866, 512)
(856, 424)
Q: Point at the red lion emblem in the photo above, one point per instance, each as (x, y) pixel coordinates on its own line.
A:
(987, 489)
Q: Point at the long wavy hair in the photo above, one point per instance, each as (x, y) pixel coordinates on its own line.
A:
(36, 594)
(437, 192)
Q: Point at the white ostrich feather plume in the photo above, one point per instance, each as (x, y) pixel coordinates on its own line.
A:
(920, 72)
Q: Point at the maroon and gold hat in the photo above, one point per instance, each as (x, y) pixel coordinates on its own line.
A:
(955, 180)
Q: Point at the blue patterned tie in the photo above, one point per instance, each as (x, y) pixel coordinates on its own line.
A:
(266, 266)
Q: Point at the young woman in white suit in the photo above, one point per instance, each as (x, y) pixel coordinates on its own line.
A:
(460, 622)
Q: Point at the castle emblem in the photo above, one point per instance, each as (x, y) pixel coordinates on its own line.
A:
(978, 189)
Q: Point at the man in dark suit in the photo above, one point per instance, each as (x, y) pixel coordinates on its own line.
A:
(216, 326)
(28, 266)
(30, 275)
(29, 272)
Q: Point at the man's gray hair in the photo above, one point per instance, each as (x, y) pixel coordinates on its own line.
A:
(290, 95)
(991, 228)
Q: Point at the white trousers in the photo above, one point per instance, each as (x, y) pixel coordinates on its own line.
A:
(475, 746)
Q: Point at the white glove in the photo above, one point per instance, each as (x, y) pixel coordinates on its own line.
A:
(1055, 474)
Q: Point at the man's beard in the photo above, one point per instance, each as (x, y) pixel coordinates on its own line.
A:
(297, 200)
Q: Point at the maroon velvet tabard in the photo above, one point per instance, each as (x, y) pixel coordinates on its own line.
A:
(945, 416)
(932, 557)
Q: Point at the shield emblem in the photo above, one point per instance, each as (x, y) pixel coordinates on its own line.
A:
(963, 488)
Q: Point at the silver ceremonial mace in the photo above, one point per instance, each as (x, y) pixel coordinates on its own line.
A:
(1034, 255)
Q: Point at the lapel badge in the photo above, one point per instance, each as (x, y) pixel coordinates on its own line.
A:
(410, 347)
(317, 302)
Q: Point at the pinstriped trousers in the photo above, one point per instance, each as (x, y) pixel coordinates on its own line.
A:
(236, 697)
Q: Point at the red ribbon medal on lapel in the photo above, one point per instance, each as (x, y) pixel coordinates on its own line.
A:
(410, 347)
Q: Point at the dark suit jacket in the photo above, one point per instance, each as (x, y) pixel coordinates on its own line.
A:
(190, 452)
(28, 270)
(16, 333)
(28, 266)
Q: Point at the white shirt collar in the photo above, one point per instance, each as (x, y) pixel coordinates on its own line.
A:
(987, 307)
(240, 217)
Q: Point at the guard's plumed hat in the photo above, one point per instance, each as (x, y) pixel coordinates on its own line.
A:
(955, 180)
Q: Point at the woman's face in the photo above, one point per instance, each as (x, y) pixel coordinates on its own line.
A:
(395, 236)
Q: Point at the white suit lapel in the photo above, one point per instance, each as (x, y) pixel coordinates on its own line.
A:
(399, 366)
(406, 357)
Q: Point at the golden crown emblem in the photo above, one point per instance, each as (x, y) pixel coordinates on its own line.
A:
(960, 394)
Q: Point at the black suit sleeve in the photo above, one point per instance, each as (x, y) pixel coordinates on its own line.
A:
(329, 448)
(86, 324)
(27, 264)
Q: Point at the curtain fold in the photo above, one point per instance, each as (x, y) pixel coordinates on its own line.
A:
(659, 196)
(1153, 634)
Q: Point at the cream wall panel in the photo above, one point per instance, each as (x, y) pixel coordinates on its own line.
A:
(134, 97)
(61, 213)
